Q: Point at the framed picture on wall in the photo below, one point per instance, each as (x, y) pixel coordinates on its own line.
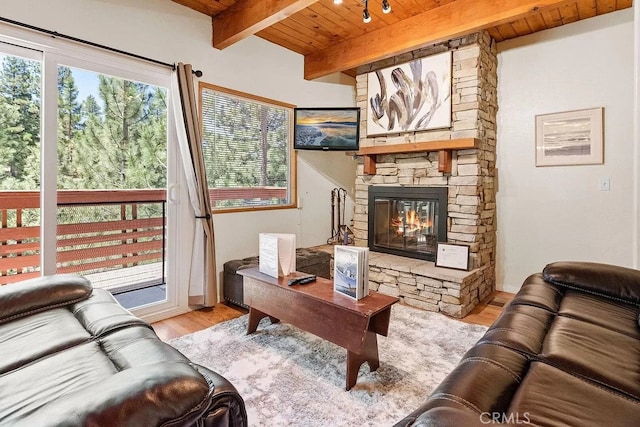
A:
(412, 96)
(570, 138)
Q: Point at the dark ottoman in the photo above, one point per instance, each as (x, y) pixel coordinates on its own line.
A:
(307, 261)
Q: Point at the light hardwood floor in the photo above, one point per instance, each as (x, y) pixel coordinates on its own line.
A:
(195, 321)
(488, 311)
(484, 313)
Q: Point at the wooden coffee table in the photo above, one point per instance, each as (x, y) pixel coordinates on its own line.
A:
(316, 308)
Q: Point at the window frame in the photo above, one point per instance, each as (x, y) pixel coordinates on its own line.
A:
(293, 155)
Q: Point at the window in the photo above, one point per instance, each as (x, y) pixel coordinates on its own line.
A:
(247, 151)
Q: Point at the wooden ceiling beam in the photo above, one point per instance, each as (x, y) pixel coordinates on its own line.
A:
(208, 7)
(443, 23)
(247, 17)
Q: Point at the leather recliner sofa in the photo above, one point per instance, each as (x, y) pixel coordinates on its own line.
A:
(72, 356)
(564, 352)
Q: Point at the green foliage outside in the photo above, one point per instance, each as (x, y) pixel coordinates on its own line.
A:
(19, 124)
(117, 141)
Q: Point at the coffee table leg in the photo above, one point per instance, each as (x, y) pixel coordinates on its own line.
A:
(369, 354)
(274, 319)
(255, 316)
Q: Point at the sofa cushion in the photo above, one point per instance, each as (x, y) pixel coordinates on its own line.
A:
(30, 338)
(525, 321)
(603, 356)
(600, 279)
(483, 382)
(604, 312)
(521, 328)
(100, 314)
(549, 396)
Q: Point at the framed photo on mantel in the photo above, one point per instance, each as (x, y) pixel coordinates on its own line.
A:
(452, 256)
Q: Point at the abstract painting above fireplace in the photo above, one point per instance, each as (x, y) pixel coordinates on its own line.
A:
(407, 221)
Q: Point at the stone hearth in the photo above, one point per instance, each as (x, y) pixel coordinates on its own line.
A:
(421, 284)
(471, 183)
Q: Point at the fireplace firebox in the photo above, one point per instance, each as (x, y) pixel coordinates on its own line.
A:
(407, 221)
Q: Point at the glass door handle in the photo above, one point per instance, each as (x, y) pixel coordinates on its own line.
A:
(171, 194)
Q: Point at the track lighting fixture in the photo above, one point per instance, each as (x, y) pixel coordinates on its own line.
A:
(366, 16)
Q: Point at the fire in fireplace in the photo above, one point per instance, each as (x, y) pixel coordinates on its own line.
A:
(407, 221)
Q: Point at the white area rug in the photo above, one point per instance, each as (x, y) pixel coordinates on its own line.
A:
(291, 378)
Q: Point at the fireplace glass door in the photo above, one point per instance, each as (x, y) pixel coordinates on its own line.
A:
(407, 225)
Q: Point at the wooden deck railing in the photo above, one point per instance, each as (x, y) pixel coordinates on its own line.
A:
(87, 239)
(88, 244)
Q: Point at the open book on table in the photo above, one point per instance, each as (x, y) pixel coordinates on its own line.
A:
(277, 254)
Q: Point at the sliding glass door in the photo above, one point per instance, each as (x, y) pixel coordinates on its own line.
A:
(84, 172)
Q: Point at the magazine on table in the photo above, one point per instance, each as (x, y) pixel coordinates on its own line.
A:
(277, 254)
(351, 271)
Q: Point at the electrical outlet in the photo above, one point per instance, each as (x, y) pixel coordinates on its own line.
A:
(605, 184)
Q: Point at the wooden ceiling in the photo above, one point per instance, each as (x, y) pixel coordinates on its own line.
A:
(334, 38)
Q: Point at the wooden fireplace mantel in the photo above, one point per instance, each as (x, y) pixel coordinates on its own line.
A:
(443, 147)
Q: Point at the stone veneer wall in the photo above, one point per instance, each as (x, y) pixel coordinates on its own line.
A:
(471, 183)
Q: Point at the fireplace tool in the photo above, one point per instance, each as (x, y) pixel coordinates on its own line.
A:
(341, 234)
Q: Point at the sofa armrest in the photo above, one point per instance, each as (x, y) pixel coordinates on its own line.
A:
(226, 405)
(42, 293)
(606, 280)
(157, 394)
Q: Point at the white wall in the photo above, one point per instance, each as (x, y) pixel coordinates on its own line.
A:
(548, 214)
(168, 32)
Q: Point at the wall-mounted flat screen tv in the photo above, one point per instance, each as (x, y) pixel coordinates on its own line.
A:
(326, 128)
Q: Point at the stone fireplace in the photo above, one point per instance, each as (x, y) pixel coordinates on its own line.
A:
(407, 221)
(467, 172)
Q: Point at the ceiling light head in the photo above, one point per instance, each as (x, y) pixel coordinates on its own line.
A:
(337, 1)
(386, 7)
(366, 17)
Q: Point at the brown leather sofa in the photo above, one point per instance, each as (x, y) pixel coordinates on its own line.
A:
(72, 356)
(565, 352)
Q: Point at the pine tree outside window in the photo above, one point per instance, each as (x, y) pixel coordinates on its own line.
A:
(247, 151)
